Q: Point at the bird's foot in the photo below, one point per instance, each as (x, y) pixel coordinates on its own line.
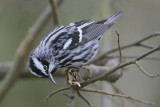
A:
(73, 76)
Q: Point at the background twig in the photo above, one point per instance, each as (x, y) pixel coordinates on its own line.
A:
(56, 91)
(59, 2)
(54, 13)
(120, 53)
(146, 73)
(72, 98)
(83, 98)
(131, 57)
(117, 95)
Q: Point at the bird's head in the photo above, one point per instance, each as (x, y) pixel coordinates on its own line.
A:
(40, 66)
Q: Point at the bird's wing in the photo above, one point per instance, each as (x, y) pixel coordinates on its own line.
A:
(80, 37)
(85, 31)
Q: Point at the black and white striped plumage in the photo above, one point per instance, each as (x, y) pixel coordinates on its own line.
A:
(74, 44)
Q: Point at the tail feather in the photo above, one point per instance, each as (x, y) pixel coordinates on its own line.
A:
(110, 20)
(113, 17)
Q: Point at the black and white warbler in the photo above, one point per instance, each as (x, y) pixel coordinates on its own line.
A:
(71, 45)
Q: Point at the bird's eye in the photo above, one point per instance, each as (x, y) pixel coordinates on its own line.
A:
(45, 67)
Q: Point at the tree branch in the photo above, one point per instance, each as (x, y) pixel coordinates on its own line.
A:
(131, 57)
(146, 73)
(120, 53)
(83, 98)
(72, 98)
(54, 13)
(59, 3)
(146, 46)
(117, 95)
(56, 91)
(92, 71)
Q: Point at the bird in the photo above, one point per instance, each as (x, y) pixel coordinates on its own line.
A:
(74, 44)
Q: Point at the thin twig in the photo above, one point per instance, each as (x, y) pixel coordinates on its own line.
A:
(54, 13)
(131, 57)
(71, 101)
(146, 46)
(119, 91)
(69, 96)
(117, 95)
(136, 43)
(147, 53)
(146, 73)
(118, 67)
(119, 47)
(56, 91)
(59, 3)
(81, 96)
(72, 98)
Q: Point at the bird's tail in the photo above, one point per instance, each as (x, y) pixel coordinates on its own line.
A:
(110, 20)
(113, 17)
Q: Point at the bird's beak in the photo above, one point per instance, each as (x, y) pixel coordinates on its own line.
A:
(51, 77)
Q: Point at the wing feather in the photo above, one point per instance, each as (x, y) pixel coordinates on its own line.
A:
(89, 30)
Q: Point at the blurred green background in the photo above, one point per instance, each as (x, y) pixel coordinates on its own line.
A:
(140, 18)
